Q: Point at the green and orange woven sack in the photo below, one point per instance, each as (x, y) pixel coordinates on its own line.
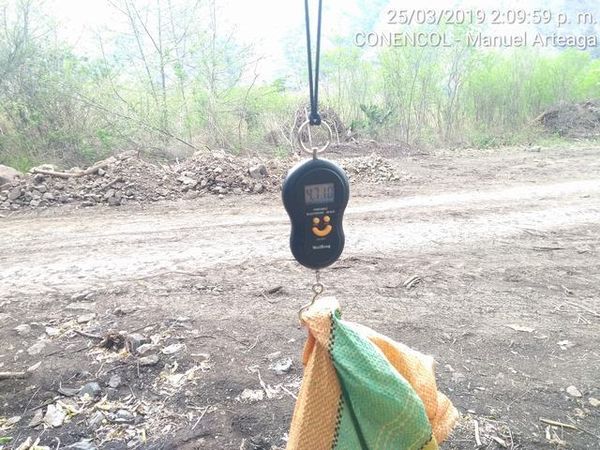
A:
(363, 391)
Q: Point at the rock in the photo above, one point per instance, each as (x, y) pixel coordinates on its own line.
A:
(151, 360)
(84, 444)
(49, 197)
(258, 171)
(282, 366)
(145, 349)
(55, 416)
(190, 182)
(574, 392)
(23, 329)
(123, 416)
(192, 195)
(251, 396)
(52, 332)
(135, 341)
(39, 178)
(68, 392)
(8, 174)
(85, 318)
(595, 402)
(172, 349)
(565, 345)
(258, 188)
(96, 420)
(37, 419)
(101, 172)
(114, 382)
(14, 193)
(221, 190)
(11, 421)
(92, 390)
(458, 377)
(36, 348)
(114, 201)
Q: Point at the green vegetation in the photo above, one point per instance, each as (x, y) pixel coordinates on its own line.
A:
(172, 84)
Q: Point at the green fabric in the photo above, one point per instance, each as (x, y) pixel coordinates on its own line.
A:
(379, 409)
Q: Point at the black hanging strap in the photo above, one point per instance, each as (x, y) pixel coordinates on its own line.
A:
(313, 79)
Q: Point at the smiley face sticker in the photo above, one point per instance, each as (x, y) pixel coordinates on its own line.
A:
(322, 226)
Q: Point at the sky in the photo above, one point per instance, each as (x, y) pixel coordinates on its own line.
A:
(262, 23)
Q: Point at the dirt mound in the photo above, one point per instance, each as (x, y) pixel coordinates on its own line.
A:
(114, 181)
(577, 120)
(222, 173)
(370, 169)
(126, 178)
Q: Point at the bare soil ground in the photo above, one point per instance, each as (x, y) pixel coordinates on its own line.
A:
(488, 260)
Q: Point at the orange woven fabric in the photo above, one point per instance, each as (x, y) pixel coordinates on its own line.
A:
(320, 420)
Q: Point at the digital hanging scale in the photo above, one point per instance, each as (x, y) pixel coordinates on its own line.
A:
(316, 192)
(315, 196)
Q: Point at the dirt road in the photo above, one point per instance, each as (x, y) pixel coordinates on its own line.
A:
(113, 247)
(494, 243)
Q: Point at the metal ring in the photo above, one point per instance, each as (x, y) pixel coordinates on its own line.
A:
(313, 150)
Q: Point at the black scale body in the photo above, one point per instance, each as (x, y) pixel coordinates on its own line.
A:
(315, 196)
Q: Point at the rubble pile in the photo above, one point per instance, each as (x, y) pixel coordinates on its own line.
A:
(127, 178)
(114, 181)
(222, 173)
(370, 169)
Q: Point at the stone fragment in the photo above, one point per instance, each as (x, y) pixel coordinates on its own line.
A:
(135, 341)
(258, 171)
(574, 392)
(23, 329)
(151, 360)
(92, 390)
(14, 193)
(55, 416)
(36, 348)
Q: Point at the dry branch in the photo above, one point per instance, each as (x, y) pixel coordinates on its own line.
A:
(585, 308)
(80, 173)
(13, 375)
(558, 424)
(88, 335)
(477, 436)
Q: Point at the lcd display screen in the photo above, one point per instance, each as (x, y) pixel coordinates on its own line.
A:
(319, 193)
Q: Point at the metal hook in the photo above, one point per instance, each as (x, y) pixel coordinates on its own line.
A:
(317, 289)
